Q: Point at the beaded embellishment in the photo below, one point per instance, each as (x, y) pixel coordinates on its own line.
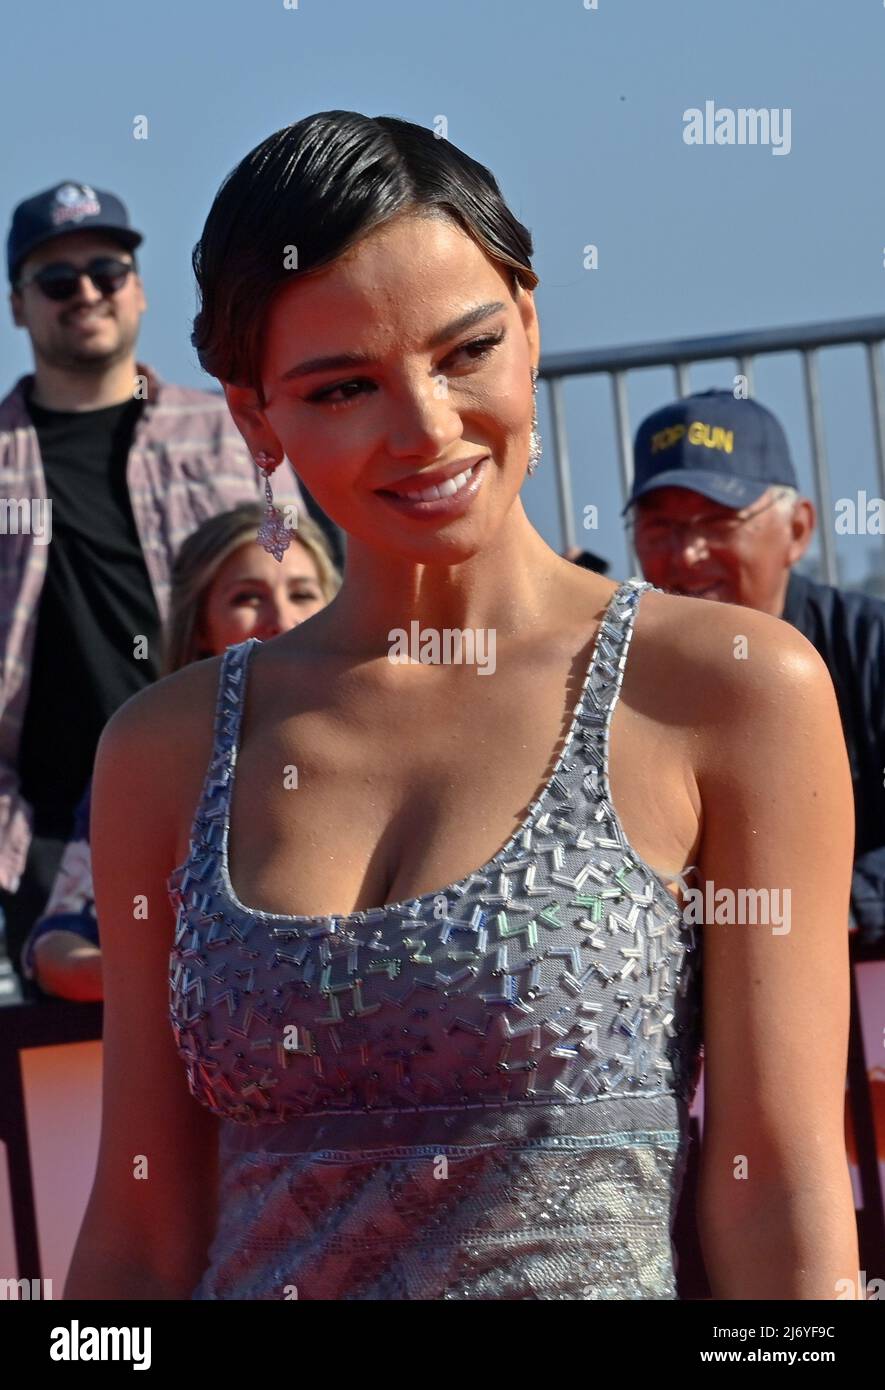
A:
(477, 1093)
(559, 972)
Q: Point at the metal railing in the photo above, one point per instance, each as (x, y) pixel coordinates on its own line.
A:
(743, 348)
(680, 354)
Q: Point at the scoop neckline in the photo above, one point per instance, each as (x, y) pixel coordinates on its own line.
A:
(411, 906)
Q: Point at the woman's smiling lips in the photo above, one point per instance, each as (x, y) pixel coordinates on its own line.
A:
(449, 494)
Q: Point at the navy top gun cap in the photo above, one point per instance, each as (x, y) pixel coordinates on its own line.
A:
(729, 450)
(66, 207)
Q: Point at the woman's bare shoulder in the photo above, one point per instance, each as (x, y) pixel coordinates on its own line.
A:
(164, 732)
(753, 698)
(175, 702)
(718, 654)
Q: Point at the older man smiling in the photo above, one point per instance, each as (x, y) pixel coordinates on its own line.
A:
(716, 513)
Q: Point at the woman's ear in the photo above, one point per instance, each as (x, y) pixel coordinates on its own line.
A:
(529, 315)
(250, 420)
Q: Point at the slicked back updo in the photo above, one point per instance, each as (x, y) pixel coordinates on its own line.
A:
(320, 186)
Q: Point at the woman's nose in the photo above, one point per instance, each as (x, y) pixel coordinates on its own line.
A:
(423, 420)
(270, 623)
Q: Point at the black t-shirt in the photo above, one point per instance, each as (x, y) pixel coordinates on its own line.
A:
(96, 600)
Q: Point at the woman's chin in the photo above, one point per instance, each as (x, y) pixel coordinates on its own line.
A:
(440, 550)
(444, 544)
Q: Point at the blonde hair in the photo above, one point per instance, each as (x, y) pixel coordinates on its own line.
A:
(198, 561)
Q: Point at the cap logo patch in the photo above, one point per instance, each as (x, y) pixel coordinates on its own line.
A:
(710, 436)
(73, 202)
(665, 439)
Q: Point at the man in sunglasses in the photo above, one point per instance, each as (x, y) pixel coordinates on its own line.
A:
(715, 513)
(131, 465)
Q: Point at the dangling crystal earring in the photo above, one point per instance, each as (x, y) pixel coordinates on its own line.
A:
(273, 533)
(535, 443)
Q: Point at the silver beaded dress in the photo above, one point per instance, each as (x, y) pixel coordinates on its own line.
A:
(481, 1093)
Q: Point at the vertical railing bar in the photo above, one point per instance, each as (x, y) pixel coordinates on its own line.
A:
(819, 460)
(561, 459)
(683, 384)
(625, 455)
(874, 363)
(745, 369)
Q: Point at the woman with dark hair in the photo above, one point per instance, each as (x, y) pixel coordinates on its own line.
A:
(427, 970)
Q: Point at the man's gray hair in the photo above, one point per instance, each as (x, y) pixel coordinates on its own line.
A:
(786, 499)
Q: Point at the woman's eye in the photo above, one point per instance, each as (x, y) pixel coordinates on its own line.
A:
(485, 345)
(304, 598)
(479, 348)
(247, 596)
(324, 397)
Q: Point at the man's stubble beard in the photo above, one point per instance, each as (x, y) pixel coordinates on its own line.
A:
(84, 363)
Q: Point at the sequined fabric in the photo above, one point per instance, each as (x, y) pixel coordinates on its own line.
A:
(478, 1093)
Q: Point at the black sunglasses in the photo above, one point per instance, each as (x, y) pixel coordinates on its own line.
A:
(61, 279)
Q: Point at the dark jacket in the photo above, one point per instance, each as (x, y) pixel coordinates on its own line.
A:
(848, 630)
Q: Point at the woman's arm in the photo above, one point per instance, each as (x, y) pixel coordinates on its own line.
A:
(61, 950)
(776, 1214)
(150, 1215)
(68, 966)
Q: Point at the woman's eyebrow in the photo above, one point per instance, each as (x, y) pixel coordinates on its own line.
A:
(356, 359)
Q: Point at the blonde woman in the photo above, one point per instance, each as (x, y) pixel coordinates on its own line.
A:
(225, 588)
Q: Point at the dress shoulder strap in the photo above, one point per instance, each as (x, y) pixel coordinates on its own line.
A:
(612, 645)
(228, 718)
(607, 673)
(213, 809)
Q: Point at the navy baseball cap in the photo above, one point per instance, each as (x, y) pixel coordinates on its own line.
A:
(729, 450)
(66, 207)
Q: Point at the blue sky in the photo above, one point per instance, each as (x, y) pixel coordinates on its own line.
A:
(578, 112)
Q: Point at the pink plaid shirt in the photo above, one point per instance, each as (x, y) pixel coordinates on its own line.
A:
(187, 462)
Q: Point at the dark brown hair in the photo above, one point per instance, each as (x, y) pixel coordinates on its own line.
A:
(319, 186)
